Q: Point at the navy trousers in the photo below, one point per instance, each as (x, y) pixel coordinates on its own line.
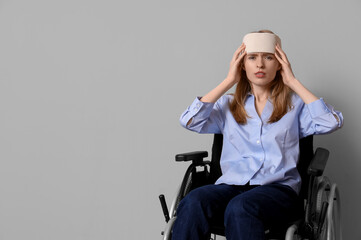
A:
(246, 211)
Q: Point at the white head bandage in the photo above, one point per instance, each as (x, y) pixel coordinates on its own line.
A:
(261, 42)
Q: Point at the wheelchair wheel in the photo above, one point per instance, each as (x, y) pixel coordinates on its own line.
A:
(322, 195)
(186, 186)
(292, 233)
(327, 211)
(333, 219)
(183, 190)
(321, 202)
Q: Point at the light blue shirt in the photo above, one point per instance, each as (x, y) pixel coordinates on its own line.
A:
(259, 152)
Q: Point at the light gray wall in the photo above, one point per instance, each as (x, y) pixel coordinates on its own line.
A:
(91, 92)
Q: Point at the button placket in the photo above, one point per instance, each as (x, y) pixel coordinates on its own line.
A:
(260, 133)
(259, 140)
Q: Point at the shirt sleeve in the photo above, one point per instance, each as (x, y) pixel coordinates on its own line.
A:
(203, 117)
(319, 118)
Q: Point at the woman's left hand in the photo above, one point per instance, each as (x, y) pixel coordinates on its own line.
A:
(290, 80)
(286, 70)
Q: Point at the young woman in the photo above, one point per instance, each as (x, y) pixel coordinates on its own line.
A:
(261, 124)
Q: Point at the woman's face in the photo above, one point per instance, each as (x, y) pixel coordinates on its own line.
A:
(261, 68)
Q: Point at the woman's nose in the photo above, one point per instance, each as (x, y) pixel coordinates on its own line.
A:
(260, 63)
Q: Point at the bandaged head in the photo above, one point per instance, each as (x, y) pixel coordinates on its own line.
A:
(261, 42)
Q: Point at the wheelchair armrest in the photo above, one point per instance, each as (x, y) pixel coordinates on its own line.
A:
(318, 163)
(196, 157)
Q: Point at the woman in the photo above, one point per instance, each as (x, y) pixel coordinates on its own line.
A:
(261, 126)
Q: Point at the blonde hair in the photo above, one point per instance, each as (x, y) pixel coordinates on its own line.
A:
(280, 96)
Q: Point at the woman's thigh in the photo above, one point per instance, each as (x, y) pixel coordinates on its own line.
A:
(212, 200)
(271, 203)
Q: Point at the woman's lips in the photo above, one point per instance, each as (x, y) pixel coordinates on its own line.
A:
(260, 74)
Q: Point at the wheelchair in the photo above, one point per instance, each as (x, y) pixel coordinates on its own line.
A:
(322, 213)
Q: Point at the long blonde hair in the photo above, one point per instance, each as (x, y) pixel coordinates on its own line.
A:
(280, 96)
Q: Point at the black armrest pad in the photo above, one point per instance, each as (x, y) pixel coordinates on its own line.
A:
(318, 163)
(191, 156)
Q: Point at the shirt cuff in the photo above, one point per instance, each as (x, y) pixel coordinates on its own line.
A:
(318, 108)
(197, 105)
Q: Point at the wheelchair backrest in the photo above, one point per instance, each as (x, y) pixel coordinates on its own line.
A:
(306, 155)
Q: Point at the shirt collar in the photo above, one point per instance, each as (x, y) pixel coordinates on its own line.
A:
(249, 94)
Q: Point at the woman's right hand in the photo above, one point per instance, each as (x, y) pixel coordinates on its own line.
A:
(233, 77)
(234, 73)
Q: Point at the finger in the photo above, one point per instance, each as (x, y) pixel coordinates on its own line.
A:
(236, 53)
(243, 50)
(239, 51)
(279, 48)
(282, 53)
(240, 58)
(240, 48)
(283, 63)
(279, 58)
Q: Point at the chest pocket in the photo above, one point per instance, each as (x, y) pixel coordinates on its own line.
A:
(285, 135)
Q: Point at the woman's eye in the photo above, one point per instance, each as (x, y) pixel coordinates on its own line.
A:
(251, 57)
(269, 57)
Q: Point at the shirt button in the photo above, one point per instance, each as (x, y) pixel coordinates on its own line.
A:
(261, 159)
(258, 141)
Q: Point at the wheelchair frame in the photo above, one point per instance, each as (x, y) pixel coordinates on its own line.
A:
(322, 220)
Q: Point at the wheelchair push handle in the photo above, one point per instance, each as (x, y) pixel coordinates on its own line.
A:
(164, 207)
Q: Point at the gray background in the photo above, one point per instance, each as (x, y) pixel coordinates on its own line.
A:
(91, 92)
